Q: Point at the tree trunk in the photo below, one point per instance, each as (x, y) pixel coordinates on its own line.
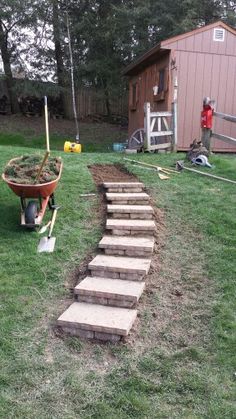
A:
(58, 56)
(7, 70)
(107, 101)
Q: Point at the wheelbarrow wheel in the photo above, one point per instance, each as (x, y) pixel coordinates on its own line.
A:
(31, 212)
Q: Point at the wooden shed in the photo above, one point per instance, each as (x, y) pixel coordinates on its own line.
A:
(202, 63)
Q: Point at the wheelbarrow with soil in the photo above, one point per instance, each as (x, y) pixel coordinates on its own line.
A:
(34, 180)
(34, 198)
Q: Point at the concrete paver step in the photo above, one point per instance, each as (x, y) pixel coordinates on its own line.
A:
(129, 198)
(147, 209)
(134, 212)
(130, 224)
(118, 267)
(123, 185)
(124, 227)
(97, 319)
(107, 291)
(145, 244)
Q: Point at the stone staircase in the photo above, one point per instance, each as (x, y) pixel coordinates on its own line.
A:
(105, 306)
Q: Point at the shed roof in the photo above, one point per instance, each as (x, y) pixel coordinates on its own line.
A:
(163, 48)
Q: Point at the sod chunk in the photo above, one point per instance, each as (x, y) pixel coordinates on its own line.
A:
(24, 169)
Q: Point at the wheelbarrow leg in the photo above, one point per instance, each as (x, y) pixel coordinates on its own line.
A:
(23, 207)
(51, 202)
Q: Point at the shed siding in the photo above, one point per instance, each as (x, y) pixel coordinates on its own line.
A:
(201, 75)
(203, 42)
(146, 79)
(204, 68)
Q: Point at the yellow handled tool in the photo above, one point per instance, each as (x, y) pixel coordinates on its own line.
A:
(47, 154)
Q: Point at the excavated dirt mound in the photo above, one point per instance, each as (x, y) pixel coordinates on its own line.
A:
(111, 173)
(24, 169)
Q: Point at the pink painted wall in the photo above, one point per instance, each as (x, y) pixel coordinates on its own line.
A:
(205, 68)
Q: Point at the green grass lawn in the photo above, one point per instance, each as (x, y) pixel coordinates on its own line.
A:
(17, 130)
(179, 361)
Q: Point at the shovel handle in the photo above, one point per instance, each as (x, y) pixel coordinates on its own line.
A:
(46, 123)
(41, 166)
(52, 222)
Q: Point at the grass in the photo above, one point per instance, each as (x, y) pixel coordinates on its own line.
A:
(180, 363)
(30, 132)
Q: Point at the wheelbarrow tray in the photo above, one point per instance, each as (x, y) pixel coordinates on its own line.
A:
(39, 190)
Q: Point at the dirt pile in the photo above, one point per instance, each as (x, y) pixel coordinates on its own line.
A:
(111, 173)
(24, 169)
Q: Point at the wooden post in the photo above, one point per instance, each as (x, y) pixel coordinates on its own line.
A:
(206, 138)
(147, 120)
(175, 113)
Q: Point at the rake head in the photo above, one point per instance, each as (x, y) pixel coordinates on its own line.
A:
(179, 165)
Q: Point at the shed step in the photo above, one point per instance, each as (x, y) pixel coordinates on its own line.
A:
(123, 186)
(144, 212)
(111, 292)
(128, 198)
(127, 246)
(130, 227)
(97, 321)
(118, 267)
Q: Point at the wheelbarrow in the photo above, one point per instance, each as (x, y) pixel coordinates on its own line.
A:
(34, 199)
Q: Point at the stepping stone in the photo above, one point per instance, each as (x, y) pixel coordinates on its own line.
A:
(118, 267)
(144, 212)
(131, 227)
(107, 291)
(97, 321)
(123, 186)
(128, 198)
(127, 246)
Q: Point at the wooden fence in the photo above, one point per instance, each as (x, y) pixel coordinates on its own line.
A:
(222, 137)
(91, 103)
(208, 133)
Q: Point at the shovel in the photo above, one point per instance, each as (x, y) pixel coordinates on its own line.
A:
(156, 169)
(47, 154)
(44, 228)
(47, 244)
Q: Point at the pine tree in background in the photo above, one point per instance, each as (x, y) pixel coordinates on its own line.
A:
(105, 35)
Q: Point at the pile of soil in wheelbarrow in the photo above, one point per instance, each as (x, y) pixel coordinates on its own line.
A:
(24, 169)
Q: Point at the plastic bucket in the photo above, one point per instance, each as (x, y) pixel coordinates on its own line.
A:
(118, 147)
(72, 147)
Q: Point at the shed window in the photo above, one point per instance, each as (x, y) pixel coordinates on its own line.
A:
(134, 95)
(219, 35)
(162, 83)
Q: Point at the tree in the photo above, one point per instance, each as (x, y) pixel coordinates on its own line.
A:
(105, 37)
(101, 43)
(15, 15)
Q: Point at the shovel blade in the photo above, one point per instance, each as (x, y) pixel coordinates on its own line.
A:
(46, 244)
